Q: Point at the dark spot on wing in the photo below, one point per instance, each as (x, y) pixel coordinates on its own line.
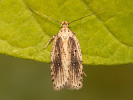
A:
(52, 80)
(57, 62)
(81, 80)
(81, 75)
(75, 63)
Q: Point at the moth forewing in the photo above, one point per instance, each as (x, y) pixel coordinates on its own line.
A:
(75, 64)
(57, 71)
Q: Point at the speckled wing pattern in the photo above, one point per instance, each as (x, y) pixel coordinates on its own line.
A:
(75, 64)
(66, 61)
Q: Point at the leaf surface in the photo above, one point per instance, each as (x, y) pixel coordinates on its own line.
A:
(106, 37)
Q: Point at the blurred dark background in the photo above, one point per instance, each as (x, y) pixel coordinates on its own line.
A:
(30, 80)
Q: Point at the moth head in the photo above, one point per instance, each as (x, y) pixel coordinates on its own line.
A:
(64, 24)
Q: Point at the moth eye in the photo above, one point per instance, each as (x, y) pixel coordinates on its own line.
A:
(73, 54)
(75, 50)
(58, 54)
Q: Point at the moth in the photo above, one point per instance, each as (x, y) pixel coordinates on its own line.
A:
(66, 57)
(66, 60)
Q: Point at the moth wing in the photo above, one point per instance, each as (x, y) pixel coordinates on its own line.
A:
(57, 70)
(75, 64)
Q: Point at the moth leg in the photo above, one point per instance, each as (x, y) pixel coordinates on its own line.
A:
(84, 74)
(49, 42)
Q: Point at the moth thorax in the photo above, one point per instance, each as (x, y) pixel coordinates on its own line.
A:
(64, 24)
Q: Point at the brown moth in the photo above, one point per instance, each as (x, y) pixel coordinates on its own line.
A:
(66, 57)
(66, 60)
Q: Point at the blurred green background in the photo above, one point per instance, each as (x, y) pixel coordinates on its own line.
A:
(30, 80)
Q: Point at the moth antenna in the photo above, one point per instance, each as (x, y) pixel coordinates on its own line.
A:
(85, 16)
(40, 13)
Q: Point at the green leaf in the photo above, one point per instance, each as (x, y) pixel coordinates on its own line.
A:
(105, 38)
